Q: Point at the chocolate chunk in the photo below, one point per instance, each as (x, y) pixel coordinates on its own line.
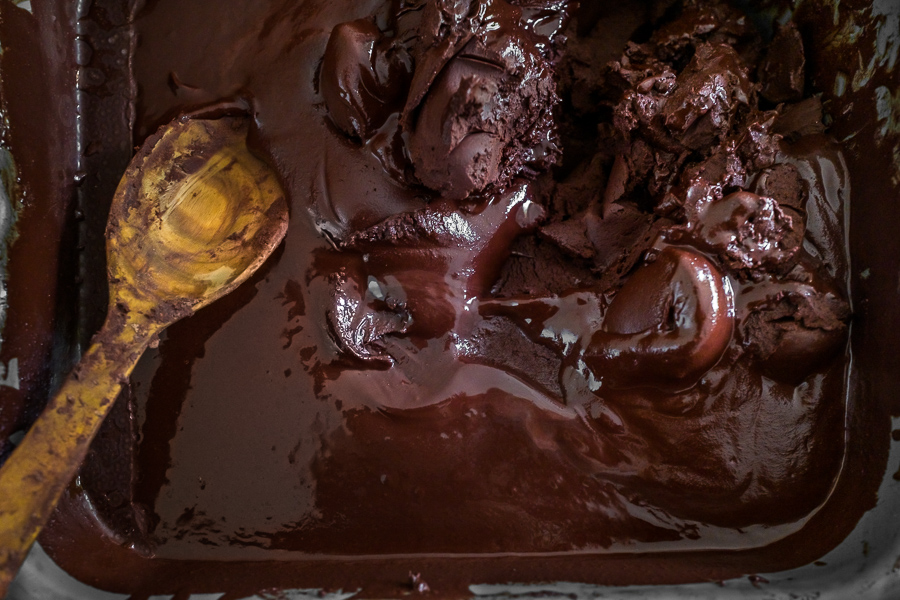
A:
(707, 96)
(746, 231)
(619, 237)
(458, 141)
(480, 105)
(539, 268)
(439, 227)
(782, 71)
(500, 342)
(756, 140)
(669, 324)
(704, 181)
(802, 118)
(793, 333)
(361, 80)
(571, 237)
(581, 190)
(710, 22)
(783, 182)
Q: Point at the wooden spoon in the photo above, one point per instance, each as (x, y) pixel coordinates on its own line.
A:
(194, 216)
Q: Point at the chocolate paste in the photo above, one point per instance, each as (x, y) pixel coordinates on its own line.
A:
(565, 294)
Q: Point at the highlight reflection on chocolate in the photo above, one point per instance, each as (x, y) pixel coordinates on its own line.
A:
(361, 78)
(669, 324)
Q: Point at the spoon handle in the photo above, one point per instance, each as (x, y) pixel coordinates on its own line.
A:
(41, 467)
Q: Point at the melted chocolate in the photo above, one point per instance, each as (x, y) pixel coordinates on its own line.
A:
(361, 342)
(382, 391)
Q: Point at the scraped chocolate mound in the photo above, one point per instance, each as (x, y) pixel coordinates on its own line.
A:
(479, 87)
(487, 114)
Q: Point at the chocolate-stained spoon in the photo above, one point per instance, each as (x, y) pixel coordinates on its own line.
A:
(194, 216)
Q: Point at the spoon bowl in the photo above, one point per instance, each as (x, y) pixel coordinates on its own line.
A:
(218, 213)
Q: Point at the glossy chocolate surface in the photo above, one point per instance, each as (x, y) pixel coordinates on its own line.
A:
(604, 315)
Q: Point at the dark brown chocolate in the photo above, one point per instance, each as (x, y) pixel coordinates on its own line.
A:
(394, 280)
(424, 367)
(782, 74)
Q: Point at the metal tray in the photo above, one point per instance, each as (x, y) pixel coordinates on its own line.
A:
(853, 63)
